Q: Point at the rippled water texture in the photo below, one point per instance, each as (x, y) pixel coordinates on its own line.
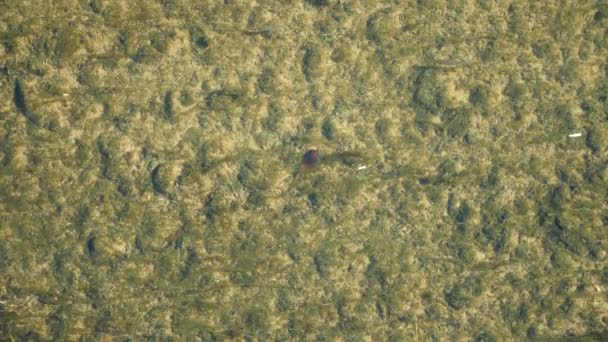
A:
(148, 152)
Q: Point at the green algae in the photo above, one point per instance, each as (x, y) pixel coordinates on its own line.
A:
(148, 151)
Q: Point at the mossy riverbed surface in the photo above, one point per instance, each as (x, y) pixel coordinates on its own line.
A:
(147, 154)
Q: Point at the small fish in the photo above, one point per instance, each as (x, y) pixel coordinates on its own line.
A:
(309, 160)
(266, 32)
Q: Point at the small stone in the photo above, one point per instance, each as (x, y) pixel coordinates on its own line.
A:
(310, 158)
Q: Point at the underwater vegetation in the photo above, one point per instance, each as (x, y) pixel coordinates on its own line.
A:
(346, 170)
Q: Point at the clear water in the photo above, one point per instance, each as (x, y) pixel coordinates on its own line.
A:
(148, 150)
